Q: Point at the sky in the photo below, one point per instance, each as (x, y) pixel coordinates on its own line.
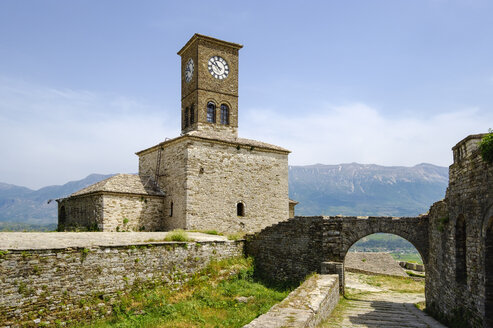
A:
(84, 84)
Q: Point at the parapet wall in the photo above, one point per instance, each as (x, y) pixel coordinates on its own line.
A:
(61, 285)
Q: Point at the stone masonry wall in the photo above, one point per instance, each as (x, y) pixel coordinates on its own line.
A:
(57, 285)
(455, 283)
(290, 250)
(82, 212)
(172, 179)
(133, 213)
(221, 175)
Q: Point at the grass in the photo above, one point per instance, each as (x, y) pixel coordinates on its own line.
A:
(236, 236)
(208, 299)
(396, 284)
(177, 235)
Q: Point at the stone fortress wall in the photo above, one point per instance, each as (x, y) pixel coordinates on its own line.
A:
(45, 286)
(459, 278)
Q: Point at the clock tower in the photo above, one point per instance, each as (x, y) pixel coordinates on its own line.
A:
(209, 87)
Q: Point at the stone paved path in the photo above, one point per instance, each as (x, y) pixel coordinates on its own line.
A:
(47, 240)
(380, 308)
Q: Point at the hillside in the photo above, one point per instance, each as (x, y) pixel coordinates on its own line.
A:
(349, 189)
(366, 189)
(23, 205)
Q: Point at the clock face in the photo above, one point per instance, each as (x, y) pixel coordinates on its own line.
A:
(218, 67)
(189, 70)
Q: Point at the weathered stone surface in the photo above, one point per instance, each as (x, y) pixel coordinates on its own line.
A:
(206, 178)
(306, 306)
(373, 263)
(290, 250)
(63, 284)
(459, 286)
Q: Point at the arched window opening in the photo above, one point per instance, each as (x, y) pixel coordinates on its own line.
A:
(171, 209)
(186, 119)
(192, 114)
(240, 209)
(224, 114)
(488, 274)
(460, 250)
(211, 112)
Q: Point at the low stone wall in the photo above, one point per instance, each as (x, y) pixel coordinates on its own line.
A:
(412, 266)
(306, 306)
(52, 286)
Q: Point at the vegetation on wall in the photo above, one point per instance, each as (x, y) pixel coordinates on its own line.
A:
(486, 147)
(225, 294)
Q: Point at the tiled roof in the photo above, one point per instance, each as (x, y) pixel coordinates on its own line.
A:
(123, 183)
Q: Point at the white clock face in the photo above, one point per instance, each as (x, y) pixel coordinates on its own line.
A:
(218, 67)
(189, 70)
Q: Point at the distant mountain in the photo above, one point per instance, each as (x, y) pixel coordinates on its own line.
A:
(348, 189)
(366, 189)
(23, 205)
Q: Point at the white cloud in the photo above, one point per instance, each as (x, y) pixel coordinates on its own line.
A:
(360, 133)
(50, 136)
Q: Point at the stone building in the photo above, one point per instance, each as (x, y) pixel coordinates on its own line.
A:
(459, 277)
(207, 178)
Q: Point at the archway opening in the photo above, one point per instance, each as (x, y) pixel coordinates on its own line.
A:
(385, 264)
(488, 267)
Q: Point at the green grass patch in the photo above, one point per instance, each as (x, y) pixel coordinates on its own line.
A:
(396, 284)
(177, 235)
(236, 236)
(208, 299)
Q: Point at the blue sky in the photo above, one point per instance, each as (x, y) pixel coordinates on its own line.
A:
(86, 84)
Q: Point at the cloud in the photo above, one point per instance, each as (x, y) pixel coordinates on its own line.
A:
(360, 133)
(50, 136)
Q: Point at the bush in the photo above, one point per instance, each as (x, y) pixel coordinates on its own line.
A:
(486, 147)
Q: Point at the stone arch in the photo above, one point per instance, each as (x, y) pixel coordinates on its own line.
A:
(62, 217)
(347, 250)
(487, 233)
(460, 250)
(414, 230)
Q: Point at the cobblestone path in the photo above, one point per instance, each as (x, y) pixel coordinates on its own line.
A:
(382, 310)
(373, 307)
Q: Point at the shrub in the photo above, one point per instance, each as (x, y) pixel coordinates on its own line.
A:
(486, 147)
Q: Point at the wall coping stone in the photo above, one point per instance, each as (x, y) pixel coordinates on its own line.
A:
(306, 306)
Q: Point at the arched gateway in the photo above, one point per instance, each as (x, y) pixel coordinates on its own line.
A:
(290, 250)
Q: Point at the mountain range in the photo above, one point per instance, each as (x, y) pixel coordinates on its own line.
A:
(347, 189)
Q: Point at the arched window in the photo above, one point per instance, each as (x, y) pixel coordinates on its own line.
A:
(185, 119)
(192, 114)
(224, 114)
(460, 250)
(171, 209)
(211, 112)
(240, 209)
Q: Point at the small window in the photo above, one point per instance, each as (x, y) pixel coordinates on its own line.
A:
(185, 119)
(171, 209)
(192, 114)
(211, 112)
(224, 114)
(240, 209)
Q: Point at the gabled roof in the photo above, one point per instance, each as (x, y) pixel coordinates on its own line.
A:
(123, 183)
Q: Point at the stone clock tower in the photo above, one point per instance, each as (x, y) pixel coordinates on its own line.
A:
(207, 178)
(209, 86)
